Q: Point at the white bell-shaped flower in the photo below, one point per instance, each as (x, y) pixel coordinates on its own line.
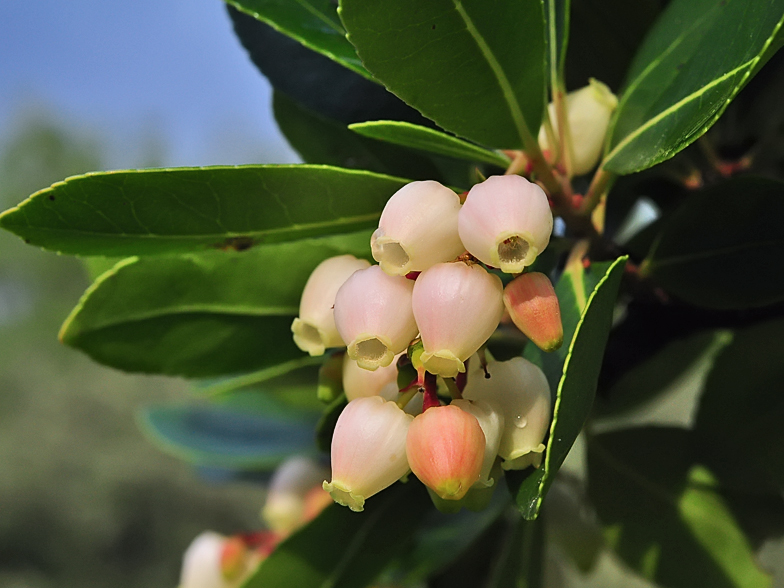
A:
(492, 423)
(417, 229)
(506, 222)
(368, 450)
(457, 307)
(359, 382)
(588, 111)
(314, 329)
(518, 389)
(284, 508)
(413, 407)
(374, 317)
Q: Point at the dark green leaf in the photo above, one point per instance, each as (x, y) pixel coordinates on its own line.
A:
(576, 385)
(662, 514)
(693, 62)
(520, 561)
(322, 140)
(556, 14)
(187, 209)
(314, 23)
(326, 425)
(344, 549)
(315, 81)
(223, 386)
(201, 315)
(739, 421)
(604, 36)
(722, 248)
(474, 67)
(430, 140)
(443, 538)
(658, 373)
(222, 437)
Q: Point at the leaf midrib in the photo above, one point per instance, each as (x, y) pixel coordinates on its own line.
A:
(498, 71)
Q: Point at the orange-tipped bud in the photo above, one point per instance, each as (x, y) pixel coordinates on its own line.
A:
(445, 448)
(533, 306)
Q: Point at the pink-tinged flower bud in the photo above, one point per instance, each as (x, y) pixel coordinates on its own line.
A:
(368, 450)
(533, 307)
(588, 111)
(518, 389)
(506, 222)
(284, 509)
(492, 423)
(418, 228)
(445, 448)
(359, 382)
(457, 307)
(314, 329)
(373, 314)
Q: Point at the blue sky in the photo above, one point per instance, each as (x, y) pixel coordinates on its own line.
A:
(136, 73)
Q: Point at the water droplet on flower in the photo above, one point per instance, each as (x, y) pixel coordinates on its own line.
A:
(520, 421)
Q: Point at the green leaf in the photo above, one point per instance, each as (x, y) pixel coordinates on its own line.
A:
(556, 14)
(322, 140)
(314, 23)
(226, 438)
(346, 549)
(326, 424)
(430, 140)
(739, 418)
(721, 248)
(606, 35)
(663, 515)
(694, 61)
(201, 315)
(314, 80)
(669, 367)
(223, 386)
(576, 385)
(174, 210)
(520, 561)
(474, 67)
(443, 538)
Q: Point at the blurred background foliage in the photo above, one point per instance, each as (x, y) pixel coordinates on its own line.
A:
(85, 500)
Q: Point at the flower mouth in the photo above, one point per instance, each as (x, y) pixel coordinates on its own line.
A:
(370, 353)
(343, 496)
(391, 256)
(513, 253)
(443, 363)
(307, 337)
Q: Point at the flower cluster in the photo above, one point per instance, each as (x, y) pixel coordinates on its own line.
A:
(432, 302)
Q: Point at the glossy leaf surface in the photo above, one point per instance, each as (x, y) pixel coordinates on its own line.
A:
(722, 247)
(742, 408)
(201, 315)
(346, 549)
(663, 515)
(314, 23)
(576, 386)
(425, 139)
(187, 209)
(694, 61)
(475, 67)
(314, 80)
(223, 437)
(319, 139)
